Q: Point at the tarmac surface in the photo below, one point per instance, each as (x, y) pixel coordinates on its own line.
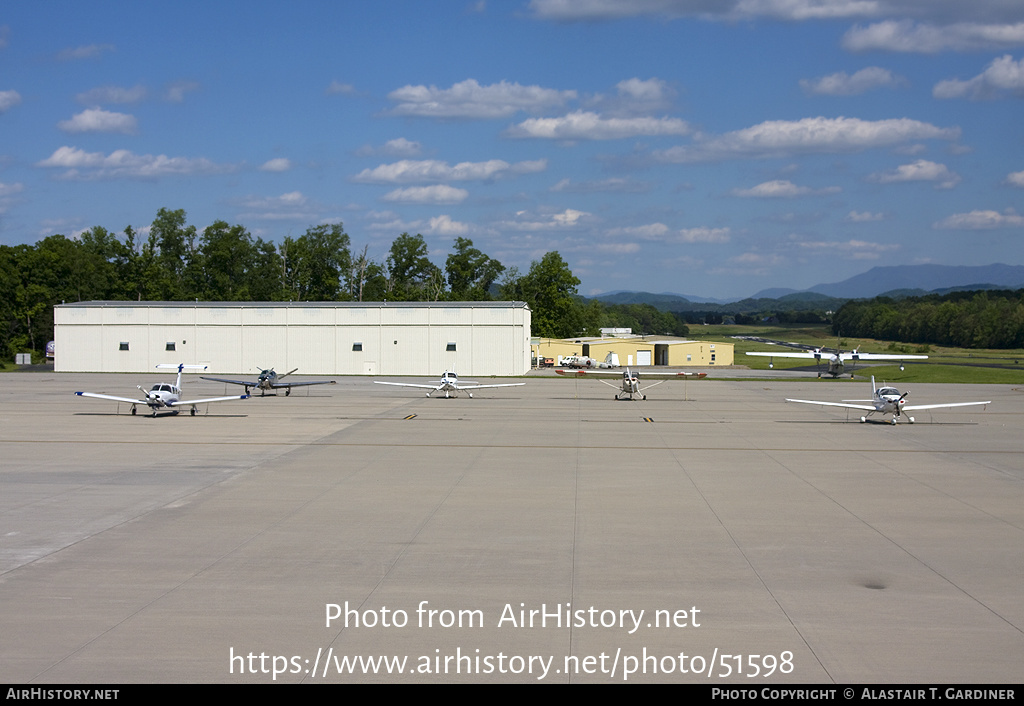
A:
(755, 535)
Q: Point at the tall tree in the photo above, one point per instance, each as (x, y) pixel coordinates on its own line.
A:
(411, 276)
(315, 262)
(470, 272)
(550, 290)
(228, 256)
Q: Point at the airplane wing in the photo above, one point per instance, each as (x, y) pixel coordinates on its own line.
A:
(111, 397)
(853, 355)
(909, 407)
(187, 403)
(618, 374)
(231, 382)
(407, 384)
(480, 387)
(868, 407)
(808, 355)
(298, 384)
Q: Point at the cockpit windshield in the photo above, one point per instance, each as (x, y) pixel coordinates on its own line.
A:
(886, 391)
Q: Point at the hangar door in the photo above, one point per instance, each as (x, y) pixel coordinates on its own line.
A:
(643, 357)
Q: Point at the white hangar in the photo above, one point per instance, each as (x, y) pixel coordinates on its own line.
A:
(318, 338)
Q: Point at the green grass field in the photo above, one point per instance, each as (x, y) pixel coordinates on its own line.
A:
(944, 364)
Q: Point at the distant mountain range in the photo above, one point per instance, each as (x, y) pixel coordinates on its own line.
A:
(896, 281)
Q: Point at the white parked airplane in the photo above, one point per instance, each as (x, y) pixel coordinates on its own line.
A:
(270, 380)
(450, 385)
(837, 360)
(887, 400)
(630, 380)
(164, 396)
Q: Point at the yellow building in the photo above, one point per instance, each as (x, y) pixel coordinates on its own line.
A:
(638, 351)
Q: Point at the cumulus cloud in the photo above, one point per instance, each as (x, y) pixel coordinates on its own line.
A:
(410, 171)
(781, 188)
(921, 170)
(280, 164)
(339, 88)
(1003, 74)
(651, 231)
(112, 94)
(291, 206)
(575, 10)
(585, 125)
(981, 220)
(843, 84)
(89, 51)
(468, 99)
(79, 164)
(1015, 179)
(444, 225)
(9, 99)
(175, 92)
(523, 221)
(99, 120)
(851, 249)
(909, 36)
(777, 138)
(610, 185)
(635, 96)
(863, 217)
(439, 193)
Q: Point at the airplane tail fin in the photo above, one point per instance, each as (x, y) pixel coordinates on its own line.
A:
(873, 388)
(180, 367)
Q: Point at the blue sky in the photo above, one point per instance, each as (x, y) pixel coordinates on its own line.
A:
(690, 146)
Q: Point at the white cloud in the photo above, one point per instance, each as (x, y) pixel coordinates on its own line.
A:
(280, 164)
(921, 170)
(1015, 179)
(705, 235)
(123, 163)
(907, 36)
(851, 249)
(401, 147)
(439, 193)
(781, 188)
(776, 138)
(468, 99)
(585, 125)
(1003, 74)
(9, 99)
(89, 51)
(981, 220)
(651, 231)
(444, 225)
(112, 94)
(99, 120)
(11, 189)
(863, 217)
(338, 88)
(843, 84)
(409, 171)
(610, 185)
(571, 10)
(176, 91)
(523, 221)
(291, 206)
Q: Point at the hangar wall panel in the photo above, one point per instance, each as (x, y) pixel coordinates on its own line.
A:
(324, 338)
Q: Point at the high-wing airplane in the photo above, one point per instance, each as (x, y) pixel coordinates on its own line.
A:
(450, 385)
(837, 360)
(165, 396)
(270, 380)
(629, 380)
(887, 400)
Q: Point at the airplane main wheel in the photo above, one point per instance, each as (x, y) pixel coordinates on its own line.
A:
(133, 411)
(193, 412)
(863, 419)
(287, 391)
(643, 397)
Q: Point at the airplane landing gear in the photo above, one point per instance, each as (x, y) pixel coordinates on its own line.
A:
(193, 411)
(133, 410)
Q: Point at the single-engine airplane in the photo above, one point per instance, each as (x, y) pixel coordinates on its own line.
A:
(887, 400)
(165, 396)
(630, 380)
(837, 359)
(450, 385)
(270, 380)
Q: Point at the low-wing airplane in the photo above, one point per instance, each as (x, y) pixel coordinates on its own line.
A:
(450, 385)
(270, 380)
(165, 396)
(837, 360)
(887, 400)
(630, 380)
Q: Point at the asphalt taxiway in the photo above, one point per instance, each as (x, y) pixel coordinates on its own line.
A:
(514, 537)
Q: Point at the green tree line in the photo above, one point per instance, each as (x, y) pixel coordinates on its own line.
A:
(177, 262)
(975, 319)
